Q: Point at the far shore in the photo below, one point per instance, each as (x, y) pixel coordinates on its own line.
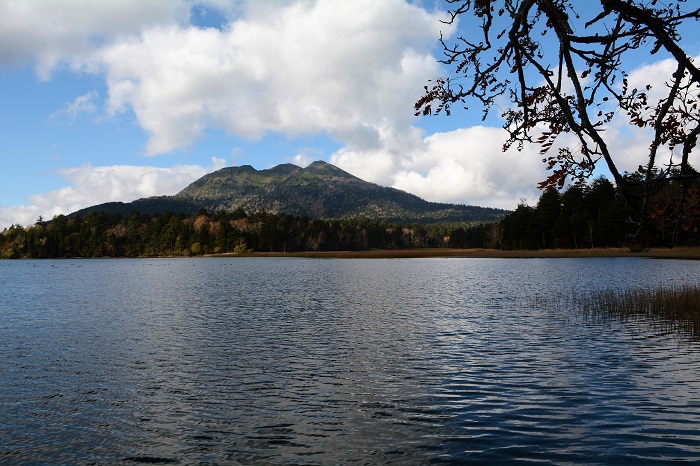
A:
(660, 253)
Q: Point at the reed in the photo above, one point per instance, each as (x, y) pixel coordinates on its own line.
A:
(674, 305)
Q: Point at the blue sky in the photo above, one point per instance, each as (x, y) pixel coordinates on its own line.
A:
(107, 101)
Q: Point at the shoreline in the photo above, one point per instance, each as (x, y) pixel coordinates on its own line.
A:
(680, 253)
(688, 253)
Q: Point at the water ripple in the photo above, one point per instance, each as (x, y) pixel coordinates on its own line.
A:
(278, 361)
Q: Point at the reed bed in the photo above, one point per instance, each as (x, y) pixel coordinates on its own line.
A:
(674, 306)
(671, 309)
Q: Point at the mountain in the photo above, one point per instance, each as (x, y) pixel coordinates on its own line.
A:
(320, 190)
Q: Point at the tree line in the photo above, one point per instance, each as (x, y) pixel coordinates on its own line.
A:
(591, 215)
(597, 215)
(168, 234)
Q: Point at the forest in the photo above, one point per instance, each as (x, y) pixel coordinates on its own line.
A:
(590, 215)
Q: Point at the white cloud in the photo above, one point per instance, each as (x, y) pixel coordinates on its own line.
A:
(330, 67)
(306, 156)
(49, 32)
(462, 166)
(629, 143)
(302, 160)
(90, 185)
(656, 74)
(84, 104)
(377, 152)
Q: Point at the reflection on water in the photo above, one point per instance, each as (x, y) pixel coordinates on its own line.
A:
(217, 361)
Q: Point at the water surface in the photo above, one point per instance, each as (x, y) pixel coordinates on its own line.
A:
(283, 360)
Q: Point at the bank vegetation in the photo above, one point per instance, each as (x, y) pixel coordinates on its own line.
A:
(581, 219)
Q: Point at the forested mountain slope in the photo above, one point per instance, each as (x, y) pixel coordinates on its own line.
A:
(321, 191)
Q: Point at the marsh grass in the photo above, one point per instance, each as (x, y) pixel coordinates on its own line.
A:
(674, 306)
(673, 309)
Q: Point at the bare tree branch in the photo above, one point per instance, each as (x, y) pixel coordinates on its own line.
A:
(578, 86)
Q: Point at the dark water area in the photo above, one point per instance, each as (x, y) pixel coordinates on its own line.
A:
(306, 361)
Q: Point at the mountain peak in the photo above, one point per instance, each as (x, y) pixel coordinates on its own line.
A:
(321, 190)
(320, 167)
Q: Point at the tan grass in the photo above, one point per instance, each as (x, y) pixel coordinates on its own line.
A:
(675, 253)
(675, 305)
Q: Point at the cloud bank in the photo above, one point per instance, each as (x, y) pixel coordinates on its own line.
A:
(50, 33)
(331, 67)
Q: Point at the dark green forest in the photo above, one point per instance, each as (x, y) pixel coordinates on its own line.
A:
(591, 215)
(596, 215)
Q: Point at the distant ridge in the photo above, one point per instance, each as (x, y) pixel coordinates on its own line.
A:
(319, 191)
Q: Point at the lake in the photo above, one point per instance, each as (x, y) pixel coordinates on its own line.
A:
(339, 361)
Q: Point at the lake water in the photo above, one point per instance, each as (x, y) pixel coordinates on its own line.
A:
(327, 361)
